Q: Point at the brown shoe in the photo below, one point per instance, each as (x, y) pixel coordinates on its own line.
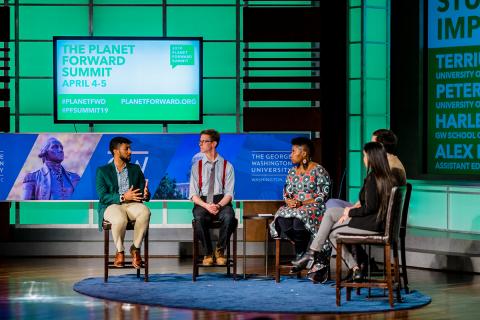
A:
(220, 258)
(207, 260)
(136, 258)
(119, 261)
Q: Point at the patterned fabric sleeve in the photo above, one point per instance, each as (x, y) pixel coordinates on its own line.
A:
(322, 181)
(288, 188)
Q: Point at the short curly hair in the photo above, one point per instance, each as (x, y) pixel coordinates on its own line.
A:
(305, 143)
(115, 142)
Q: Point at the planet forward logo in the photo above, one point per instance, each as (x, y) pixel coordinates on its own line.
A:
(139, 157)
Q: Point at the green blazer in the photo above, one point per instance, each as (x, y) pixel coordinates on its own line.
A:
(107, 186)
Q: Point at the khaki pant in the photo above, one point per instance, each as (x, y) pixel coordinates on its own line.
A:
(119, 214)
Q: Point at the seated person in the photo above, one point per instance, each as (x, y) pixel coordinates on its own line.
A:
(389, 141)
(212, 181)
(306, 189)
(367, 218)
(121, 188)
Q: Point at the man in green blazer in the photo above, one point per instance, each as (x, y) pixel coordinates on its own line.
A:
(122, 188)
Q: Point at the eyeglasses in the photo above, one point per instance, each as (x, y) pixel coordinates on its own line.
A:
(204, 141)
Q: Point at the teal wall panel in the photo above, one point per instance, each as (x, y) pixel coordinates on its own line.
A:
(154, 128)
(355, 97)
(376, 97)
(464, 213)
(45, 124)
(355, 137)
(219, 59)
(36, 59)
(136, 2)
(12, 213)
(355, 21)
(156, 210)
(428, 209)
(355, 65)
(127, 21)
(54, 1)
(44, 22)
(223, 124)
(54, 213)
(211, 23)
(36, 96)
(374, 18)
(355, 169)
(376, 60)
(353, 194)
(180, 212)
(219, 96)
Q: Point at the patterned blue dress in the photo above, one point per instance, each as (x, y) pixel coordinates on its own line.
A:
(313, 184)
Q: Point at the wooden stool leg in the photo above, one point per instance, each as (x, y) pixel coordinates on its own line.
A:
(106, 240)
(404, 265)
(146, 255)
(338, 273)
(396, 272)
(277, 260)
(235, 254)
(228, 257)
(195, 254)
(388, 275)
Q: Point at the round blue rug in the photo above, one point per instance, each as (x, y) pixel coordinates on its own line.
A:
(290, 295)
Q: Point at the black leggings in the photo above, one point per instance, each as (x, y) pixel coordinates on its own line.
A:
(294, 229)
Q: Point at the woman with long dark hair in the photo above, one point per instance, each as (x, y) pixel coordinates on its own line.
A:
(368, 217)
(306, 189)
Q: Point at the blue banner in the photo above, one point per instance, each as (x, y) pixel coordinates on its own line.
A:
(62, 166)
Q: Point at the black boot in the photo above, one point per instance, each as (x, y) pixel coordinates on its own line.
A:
(305, 260)
(321, 265)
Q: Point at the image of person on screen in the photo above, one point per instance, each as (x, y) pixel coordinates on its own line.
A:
(306, 190)
(51, 181)
(212, 181)
(122, 189)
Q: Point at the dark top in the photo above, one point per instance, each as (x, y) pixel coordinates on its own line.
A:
(365, 217)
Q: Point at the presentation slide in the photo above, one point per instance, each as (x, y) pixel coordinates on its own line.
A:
(130, 80)
(62, 166)
(453, 87)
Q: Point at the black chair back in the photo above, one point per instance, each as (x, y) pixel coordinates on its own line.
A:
(394, 214)
(403, 224)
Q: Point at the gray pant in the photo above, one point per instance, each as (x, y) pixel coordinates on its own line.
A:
(330, 228)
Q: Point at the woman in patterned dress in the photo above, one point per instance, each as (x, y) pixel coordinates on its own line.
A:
(306, 190)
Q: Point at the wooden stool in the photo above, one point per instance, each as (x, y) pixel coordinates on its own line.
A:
(231, 262)
(109, 264)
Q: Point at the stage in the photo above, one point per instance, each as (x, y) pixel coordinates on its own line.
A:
(41, 288)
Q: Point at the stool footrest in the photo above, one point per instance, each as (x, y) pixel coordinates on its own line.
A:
(128, 265)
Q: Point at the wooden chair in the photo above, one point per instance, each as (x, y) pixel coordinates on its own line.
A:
(389, 240)
(197, 260)
(107, 226)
